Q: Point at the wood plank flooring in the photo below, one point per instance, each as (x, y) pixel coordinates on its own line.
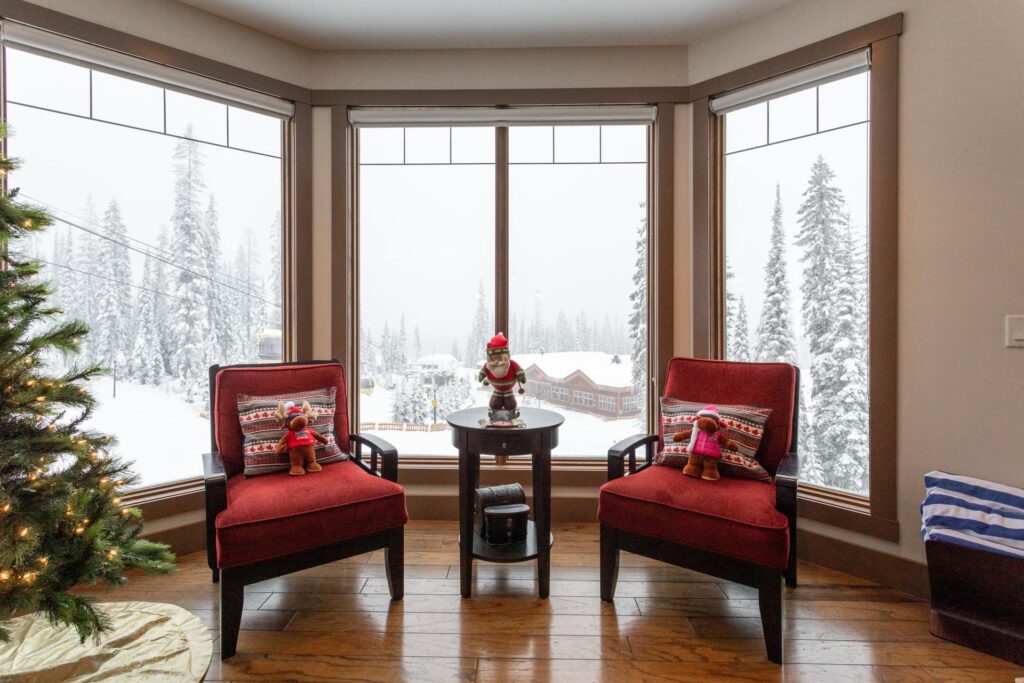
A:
(337, 623)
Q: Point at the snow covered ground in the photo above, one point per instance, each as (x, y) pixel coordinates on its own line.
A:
(159, 433)
(581, 435)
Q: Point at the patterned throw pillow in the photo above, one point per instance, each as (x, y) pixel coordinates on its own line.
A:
(742, 424)
(261, 430)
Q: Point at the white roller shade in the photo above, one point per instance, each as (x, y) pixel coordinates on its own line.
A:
(488, 116)
(822, 72)
(119, 64)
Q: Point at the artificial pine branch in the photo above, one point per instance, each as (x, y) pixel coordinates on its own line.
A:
(61, 520)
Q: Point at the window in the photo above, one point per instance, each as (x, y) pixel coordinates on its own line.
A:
(167, 242)
(794, 216)
(630, 404)
(578, 266)
(583, 398)
(429, 241)
(606, 403)
(426, 288)
(796, 180)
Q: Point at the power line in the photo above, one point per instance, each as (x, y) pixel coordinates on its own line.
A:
(168, 262)
(152, 247)
(110, 279)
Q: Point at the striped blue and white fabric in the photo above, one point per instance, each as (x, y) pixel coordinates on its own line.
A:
(974, 513)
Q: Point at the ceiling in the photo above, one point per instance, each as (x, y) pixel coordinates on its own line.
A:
(438, 24)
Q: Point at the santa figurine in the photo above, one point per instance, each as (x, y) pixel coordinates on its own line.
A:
(502, 373)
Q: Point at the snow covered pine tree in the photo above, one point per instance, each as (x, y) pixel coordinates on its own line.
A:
(834, 322)
(775, 341)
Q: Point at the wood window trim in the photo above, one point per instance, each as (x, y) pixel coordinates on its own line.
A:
(660, 216)
(876, 515)
(180, 497)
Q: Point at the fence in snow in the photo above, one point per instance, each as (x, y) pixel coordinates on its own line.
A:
(402, 427)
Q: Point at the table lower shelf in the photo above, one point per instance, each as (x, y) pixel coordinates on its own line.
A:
(513, 552)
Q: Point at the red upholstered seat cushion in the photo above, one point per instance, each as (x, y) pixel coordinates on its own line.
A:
(735, 517)
(267, 380)
(278, 514)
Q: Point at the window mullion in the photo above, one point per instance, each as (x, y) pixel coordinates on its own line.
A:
(501, 236)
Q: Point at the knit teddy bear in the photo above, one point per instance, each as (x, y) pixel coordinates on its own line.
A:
(300, 439)
(706, 442)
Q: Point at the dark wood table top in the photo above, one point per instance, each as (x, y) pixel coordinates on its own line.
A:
(534, 419)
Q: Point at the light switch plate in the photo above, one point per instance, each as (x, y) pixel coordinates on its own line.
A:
(1014, 331)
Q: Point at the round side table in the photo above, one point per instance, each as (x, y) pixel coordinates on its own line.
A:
(537, 439)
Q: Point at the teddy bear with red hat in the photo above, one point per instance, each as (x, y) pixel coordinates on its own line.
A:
(300, 440)
(502, 373)
(706, 442)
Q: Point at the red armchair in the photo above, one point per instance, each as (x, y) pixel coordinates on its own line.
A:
(274, 524)
(736, 529)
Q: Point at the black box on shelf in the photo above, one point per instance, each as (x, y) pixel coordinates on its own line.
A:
(505, 524)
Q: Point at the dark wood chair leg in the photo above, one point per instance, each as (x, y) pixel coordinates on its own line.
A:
(216, 574)
(232, 594)
(609, 563)
(394, 561)
(769, 598)
(790, 573)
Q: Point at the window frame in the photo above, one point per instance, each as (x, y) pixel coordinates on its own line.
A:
(660, 217)
(296, 181)
(875, 514)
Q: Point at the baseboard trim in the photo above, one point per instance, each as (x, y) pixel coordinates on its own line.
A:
(882, 568)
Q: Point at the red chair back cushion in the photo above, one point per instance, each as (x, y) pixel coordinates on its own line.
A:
(769, 385)
(266, 380)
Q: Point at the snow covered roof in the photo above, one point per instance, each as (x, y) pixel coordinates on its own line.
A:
(444, 361)
(596, 365)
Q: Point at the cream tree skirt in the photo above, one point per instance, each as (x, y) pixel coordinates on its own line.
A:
(147, 640)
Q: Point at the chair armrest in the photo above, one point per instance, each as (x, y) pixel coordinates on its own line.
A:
(786, 488)
(213, 468)
(788, 471)
(627, 447)
(379, 448)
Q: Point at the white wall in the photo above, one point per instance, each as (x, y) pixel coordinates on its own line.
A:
(193, 30)
(961, 242)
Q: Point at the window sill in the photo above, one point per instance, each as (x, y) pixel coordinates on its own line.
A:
(846, 511)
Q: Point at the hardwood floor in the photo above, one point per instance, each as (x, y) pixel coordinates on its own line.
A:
(336, 623)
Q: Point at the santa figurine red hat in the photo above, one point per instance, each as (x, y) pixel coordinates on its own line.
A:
(498, 344)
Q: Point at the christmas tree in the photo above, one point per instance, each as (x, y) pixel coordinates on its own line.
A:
(61, 522)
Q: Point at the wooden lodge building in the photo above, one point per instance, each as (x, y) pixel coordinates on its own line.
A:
(587, 382)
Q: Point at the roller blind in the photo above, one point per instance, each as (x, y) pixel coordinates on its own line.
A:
(60, 47)
(817, 74)
(367, 117)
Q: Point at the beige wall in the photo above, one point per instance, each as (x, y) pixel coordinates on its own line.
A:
(961, 244)
(523, 68)
(193, 30)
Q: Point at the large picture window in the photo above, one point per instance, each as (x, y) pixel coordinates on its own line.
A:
(795, 215)
(575, 251)
(167, 241)
(795, 225)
